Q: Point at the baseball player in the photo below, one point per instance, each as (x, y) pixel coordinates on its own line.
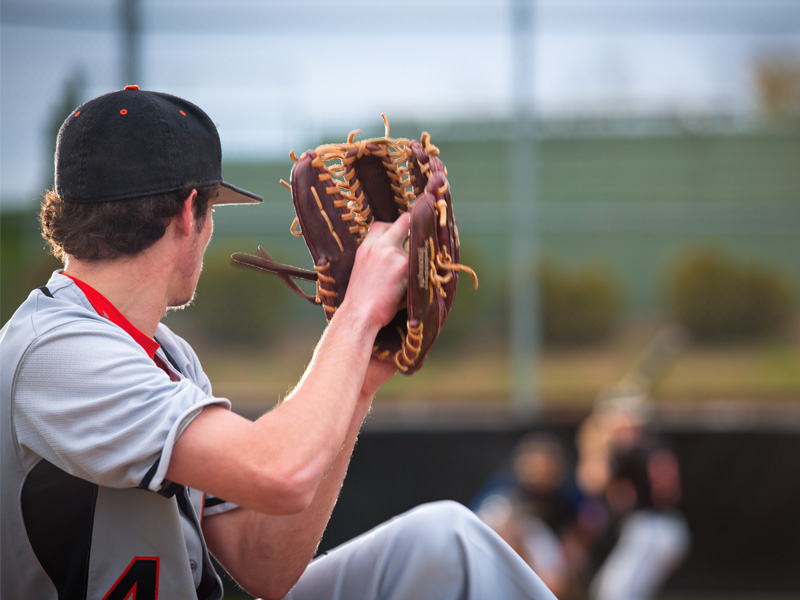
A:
(122, 472)
(622, 459)
(536, 506)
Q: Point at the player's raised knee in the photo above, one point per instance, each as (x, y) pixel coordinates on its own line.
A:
(443, 517)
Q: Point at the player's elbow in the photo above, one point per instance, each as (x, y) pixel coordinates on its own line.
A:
(276, 590)
(275, 596)
(270, 584)
(287, 491)
(295, 497)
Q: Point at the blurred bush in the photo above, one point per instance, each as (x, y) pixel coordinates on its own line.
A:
(578, 306)
(235, 305)
(718, 298)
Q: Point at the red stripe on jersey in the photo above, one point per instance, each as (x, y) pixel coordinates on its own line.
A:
(105, 309)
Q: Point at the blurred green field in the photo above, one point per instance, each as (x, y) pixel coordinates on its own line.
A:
(477, 374)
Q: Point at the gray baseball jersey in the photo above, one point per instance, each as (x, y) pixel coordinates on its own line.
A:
(88, 424)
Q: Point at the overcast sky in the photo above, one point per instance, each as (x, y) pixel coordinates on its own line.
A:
(273, 74)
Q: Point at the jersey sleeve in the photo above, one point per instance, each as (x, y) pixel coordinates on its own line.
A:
(91, 402)
(215, 506)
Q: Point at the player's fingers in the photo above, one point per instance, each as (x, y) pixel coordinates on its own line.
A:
(379, 228)
(398, 232)
(374, 232)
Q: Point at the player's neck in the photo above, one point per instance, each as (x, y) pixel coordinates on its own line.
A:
(136, 286)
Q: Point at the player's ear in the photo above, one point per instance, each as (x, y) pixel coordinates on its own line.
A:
(184, 220)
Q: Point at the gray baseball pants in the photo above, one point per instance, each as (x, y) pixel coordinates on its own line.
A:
(651, 546)
(437, 551)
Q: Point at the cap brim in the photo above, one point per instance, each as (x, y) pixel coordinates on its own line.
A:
(230, 194)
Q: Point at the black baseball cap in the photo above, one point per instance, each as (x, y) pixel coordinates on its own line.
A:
(134, 143)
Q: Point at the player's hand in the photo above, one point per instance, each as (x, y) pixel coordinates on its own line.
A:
(380, 273)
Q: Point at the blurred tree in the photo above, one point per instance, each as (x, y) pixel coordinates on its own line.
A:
(777, 77)
(719, 298)
(578, 306)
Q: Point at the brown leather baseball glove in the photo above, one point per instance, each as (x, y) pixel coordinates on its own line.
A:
(338, 190)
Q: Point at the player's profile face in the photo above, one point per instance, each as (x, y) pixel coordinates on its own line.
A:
(192, 264)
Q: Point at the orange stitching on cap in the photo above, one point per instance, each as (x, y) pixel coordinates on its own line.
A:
(77, 113)
(183, 113)
(124, 111)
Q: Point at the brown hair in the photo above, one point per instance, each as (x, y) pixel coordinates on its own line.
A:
(105, 230)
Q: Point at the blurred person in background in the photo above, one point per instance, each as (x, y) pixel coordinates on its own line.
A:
(536, 507)
(623, 460)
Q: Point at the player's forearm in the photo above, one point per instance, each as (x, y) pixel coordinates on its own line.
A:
(325, 403)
